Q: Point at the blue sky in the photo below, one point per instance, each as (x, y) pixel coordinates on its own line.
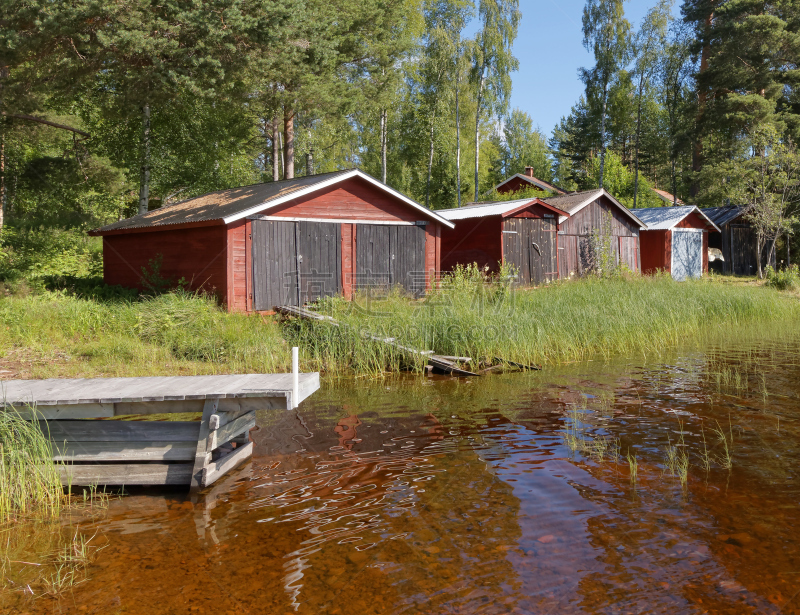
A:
(550, 50)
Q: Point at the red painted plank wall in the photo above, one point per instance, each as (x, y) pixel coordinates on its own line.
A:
(196, 254)
(237, 266)
(348, 259)
(476, 240)
(515, 183)
(705, 252)
(656, 249)
(354, 199)
(693, 220)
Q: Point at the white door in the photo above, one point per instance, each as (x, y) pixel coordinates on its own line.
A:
(687, 253)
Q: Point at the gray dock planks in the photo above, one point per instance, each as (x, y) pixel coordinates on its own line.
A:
(99, 452)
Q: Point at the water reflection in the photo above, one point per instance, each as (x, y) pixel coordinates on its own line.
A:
(448, 496)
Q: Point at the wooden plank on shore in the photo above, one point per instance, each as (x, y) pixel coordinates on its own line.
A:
(121, 431)
(230, 430)
(123, 451)
(449, 367)
(225, 464)
(126, 474)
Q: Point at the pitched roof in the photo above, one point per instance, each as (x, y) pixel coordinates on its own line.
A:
(234, 204)
(722, 215)
(531, 180)
(498, 208)
(575, 201)
(666, 197)
(665, 218)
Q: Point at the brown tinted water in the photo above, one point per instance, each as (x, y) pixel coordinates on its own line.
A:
(439, 495)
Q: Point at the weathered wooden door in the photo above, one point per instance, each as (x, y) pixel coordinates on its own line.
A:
(743, 250)
(530, 245)
(319, 259)
(295, 262)
(391, 255)
(274, 247)
(567, 256)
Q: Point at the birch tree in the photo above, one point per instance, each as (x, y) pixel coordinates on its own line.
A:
(493, 63)
(606, 33)
(648, 48)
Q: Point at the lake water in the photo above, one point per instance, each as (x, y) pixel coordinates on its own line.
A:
(438, 495)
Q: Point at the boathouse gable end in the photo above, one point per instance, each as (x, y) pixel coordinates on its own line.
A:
(519, 233)
(286, 242)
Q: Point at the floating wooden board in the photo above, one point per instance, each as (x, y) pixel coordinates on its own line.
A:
(126, 474)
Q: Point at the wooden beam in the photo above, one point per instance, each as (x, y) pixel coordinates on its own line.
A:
(123, 451)
(225, 464)
(202, 452)
(229, 431)
(121, 431)
(126, 474)
(66, 411)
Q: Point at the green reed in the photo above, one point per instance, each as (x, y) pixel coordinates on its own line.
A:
(30, 483)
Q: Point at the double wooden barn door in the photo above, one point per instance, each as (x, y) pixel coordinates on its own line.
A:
(530, 245)
(295, 262)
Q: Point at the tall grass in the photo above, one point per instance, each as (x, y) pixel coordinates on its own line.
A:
(564, 322)
(54, 334)
(30, 483)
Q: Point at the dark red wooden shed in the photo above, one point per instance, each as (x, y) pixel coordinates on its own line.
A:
(594, 211)
(521, 233)
(675, 240)
(282, 243)
(521, 181)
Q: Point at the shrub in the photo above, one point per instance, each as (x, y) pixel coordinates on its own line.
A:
(784, 279)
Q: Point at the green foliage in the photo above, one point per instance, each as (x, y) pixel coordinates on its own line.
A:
(34, 253)
(783, 279)
(520, 145)
(528, 192)
(618, 179)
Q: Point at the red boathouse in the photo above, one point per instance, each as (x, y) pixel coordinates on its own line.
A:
(282, 243)
(521, 233)
(675, 240)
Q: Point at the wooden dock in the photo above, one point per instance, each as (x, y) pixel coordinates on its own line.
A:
(195, 453)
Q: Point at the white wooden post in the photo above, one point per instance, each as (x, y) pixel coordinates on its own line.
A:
(295, 377)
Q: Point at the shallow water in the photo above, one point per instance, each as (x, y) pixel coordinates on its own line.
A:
(438, 495)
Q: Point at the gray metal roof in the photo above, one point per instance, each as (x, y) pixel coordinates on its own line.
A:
(723, 215)
(235, 203)
(483, 210)
(665, 218)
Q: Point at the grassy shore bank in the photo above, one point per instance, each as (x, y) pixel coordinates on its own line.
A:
(49, 334)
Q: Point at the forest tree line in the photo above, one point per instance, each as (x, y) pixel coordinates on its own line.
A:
(113, 108)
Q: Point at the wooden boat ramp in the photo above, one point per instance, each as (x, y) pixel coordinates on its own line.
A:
(156, 452)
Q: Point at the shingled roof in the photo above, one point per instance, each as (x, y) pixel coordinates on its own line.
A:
(575, 201)
(227, 206)
(534, 181)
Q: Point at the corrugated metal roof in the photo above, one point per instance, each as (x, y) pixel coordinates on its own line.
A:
(481, 210)
(722, 215)
(235, 203)
(665, 218)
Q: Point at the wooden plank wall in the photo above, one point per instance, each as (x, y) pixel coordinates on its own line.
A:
(198, 254)
(320, 246)
(574, 258)
(475, 240)
(237, 267)
(656, 250)
(353, 199)
(348, 259)
(519, 235)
